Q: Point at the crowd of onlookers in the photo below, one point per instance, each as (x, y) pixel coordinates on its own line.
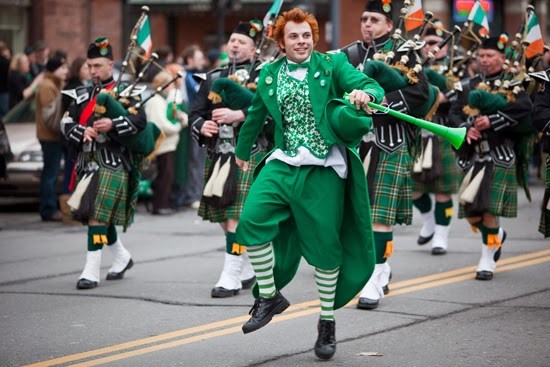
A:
(28, 76)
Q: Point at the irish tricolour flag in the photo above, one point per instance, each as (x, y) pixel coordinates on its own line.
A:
(533, 36)
(414, 16)
(144, 37)
(272, 12)
(477, 15)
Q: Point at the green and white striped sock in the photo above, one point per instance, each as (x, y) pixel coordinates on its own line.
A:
(326, 284)
(261, 259)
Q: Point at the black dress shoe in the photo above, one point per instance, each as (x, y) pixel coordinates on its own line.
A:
(221, 292)
(484, 275)
(438, 251)
(117, 276)
(325, 346)
(248, 283)
(85, 284)
(424, 240)
(386, 289)
(263, 311)
(367, 303)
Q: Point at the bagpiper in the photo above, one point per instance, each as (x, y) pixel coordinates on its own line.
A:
(107, 172)
(498, 121)
(541, 121)
(387, 150)
(435, 171)
(215, 118)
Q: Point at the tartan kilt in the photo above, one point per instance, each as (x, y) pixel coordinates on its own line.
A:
(112, 195)
(544, 224)
(503, 196)
(450, 178)
(244, 181)
(392, 201)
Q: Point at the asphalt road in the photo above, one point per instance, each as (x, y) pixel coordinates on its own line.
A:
(161, 313)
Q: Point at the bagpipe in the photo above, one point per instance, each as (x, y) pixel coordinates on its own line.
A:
(399, 67)
(119, 102)
(514, 77)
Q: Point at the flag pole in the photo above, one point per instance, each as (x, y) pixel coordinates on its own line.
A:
(133, 38)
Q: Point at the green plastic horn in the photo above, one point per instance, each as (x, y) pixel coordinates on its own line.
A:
(454, 135)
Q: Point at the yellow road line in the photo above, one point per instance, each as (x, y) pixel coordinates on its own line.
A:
(294, 311)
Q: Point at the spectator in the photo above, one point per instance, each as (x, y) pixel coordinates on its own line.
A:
(49, 110)
(5, 56)
(20, 82)
(166, 56)
(157, 112)
(189, 194)
(41, 55)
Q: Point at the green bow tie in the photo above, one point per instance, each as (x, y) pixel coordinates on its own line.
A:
(294, 67)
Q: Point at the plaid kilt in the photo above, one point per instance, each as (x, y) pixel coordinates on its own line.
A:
(544, 224)
(244, 181)
(504, 196)
(392, 201)
(450, 178)
(112, 196)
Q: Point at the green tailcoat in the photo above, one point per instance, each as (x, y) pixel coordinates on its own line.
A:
(330, 76)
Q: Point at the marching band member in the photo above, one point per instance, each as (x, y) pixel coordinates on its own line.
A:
(109, 199)
(435, 171)
(310, 197)
(490, 156)
(386, 151)
(210, 123)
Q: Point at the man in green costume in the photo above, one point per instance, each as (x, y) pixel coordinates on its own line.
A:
(310, 197)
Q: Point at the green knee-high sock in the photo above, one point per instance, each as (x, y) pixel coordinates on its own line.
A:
(261, 258)
(423, 203)
(326, 284)
(112, 236)
(443, 212)
(97, 237)
(478, 226)
(231, 245)
(383, 244)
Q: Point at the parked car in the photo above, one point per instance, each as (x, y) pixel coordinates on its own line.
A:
(24, 154)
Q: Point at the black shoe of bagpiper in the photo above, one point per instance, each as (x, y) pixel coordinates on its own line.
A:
(438, 251)
(117, 276)
(367, 303)
(263, 311)
(386, 289)
(496, 256)
(248, 283)
(221, 292)
(424, 240)
(325, 346)
(84, 283)
(484, 275)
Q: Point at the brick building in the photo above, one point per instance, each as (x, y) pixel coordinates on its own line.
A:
(71, 24)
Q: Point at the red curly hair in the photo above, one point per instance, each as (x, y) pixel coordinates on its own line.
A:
(295, 15)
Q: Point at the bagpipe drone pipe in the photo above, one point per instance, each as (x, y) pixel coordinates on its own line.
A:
(221, 186)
